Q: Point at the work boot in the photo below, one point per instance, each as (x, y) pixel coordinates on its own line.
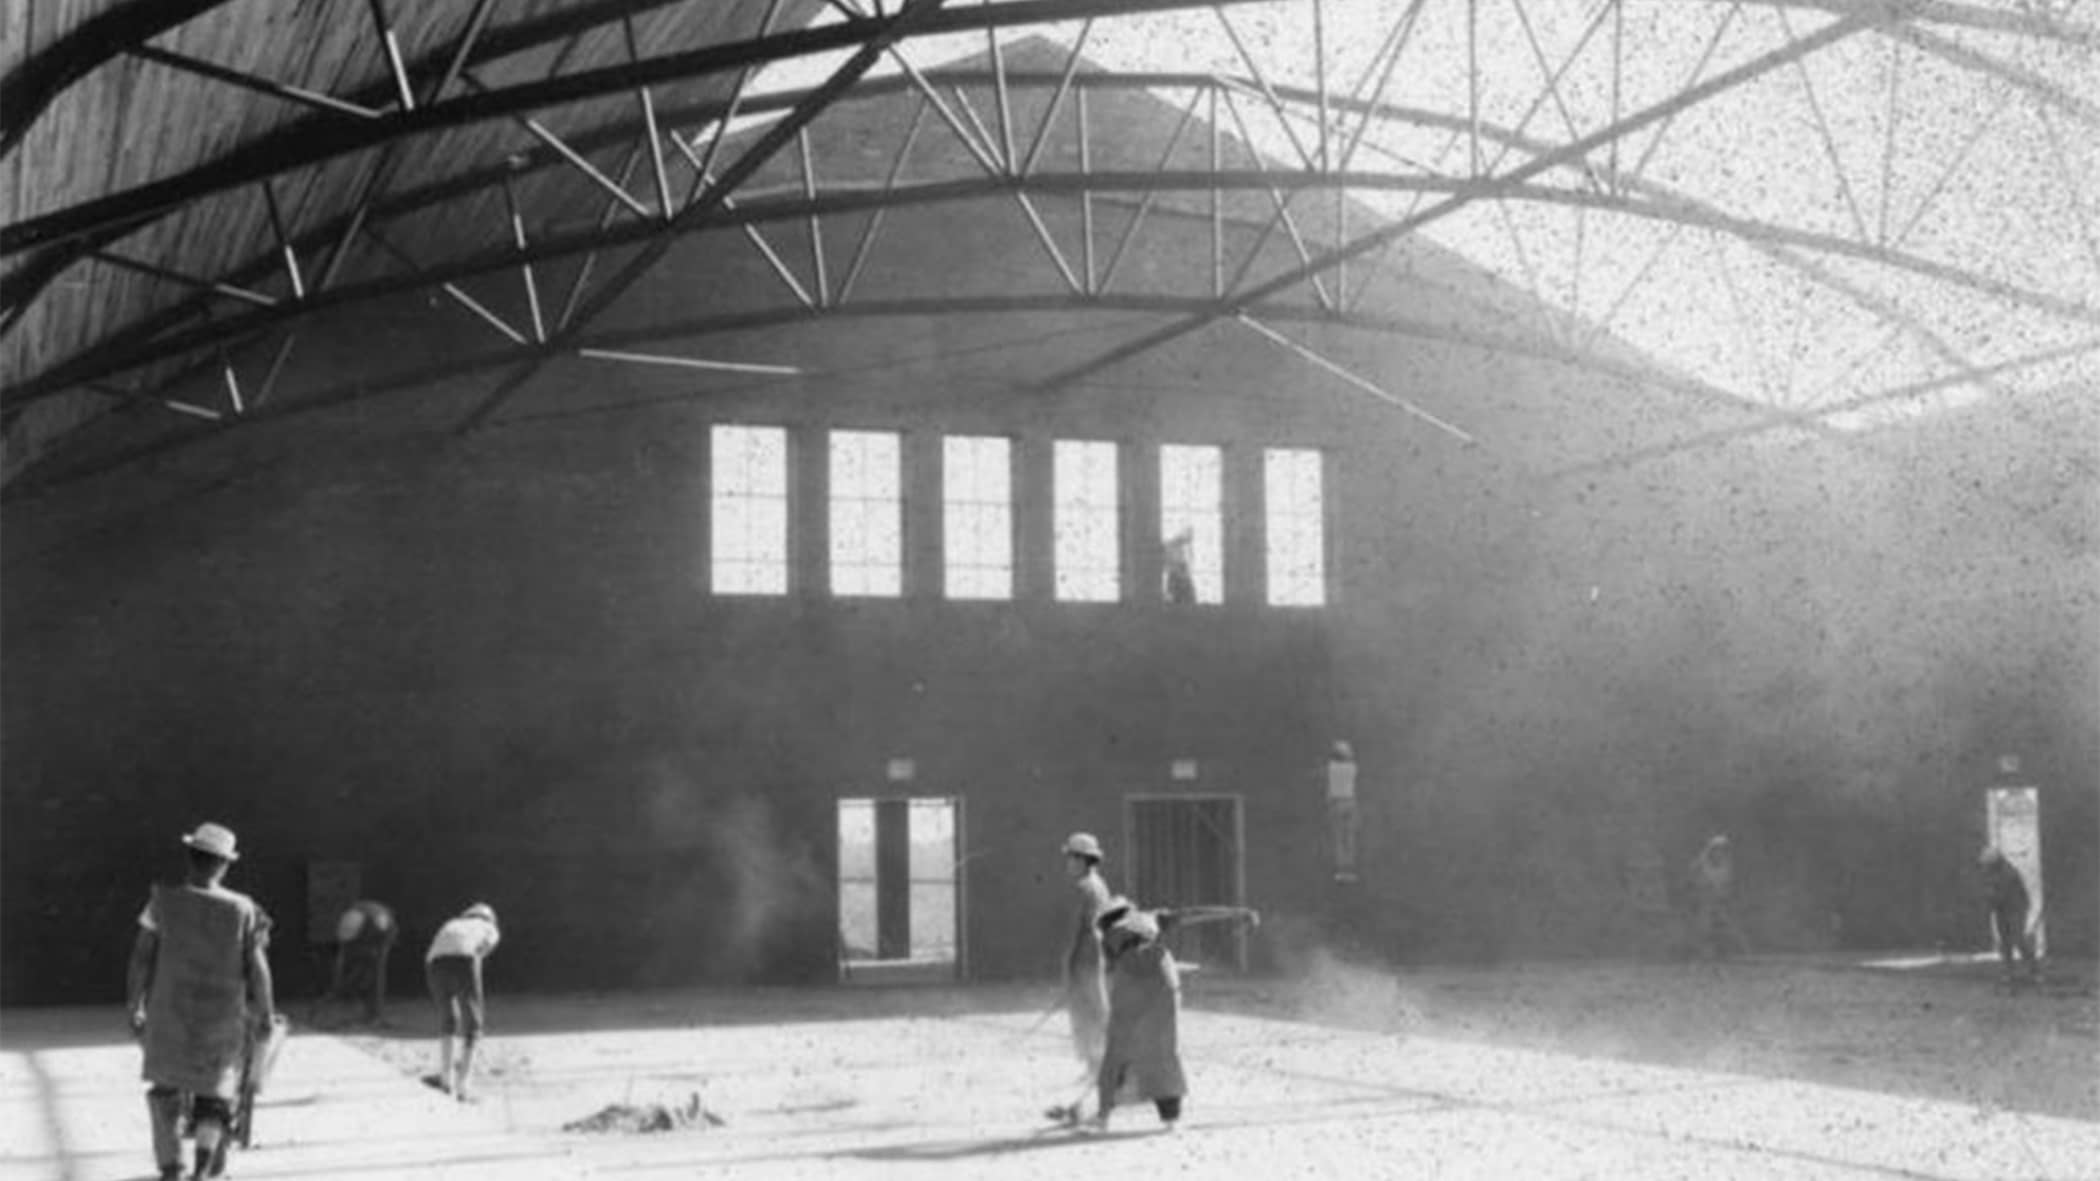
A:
(211, 1162)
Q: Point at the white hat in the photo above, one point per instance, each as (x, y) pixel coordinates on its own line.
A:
(213, 839)
(1083, 844)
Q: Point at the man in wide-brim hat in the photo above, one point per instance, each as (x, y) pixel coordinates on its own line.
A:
(1085, 995)
(199, 980)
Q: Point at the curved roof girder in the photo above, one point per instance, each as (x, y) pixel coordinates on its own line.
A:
(104, 362)
(365, 386)
(312, 141)
(1899, 19)
(1773, 420)
(1687, 213)
(2030, 23)
(29, 89)
(1572, 152)
(1764, 420)
(32, 84)
(322, 137)
(122, 351)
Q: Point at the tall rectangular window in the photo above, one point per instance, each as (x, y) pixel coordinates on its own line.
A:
(867, 514)
(1087, 553)
(1296, 521)
(749, 517)
(1192, 524)
(977, 517)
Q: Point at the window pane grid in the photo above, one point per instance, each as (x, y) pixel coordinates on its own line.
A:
(748, 517)
(1192, 520)
(1295, 518)
(867, 514)
(977, 517)
(1087, 549)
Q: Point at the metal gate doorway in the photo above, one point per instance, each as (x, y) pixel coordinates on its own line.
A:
(1189, 850)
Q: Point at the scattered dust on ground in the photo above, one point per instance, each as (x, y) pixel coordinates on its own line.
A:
(1946, 1032)
(632, 1120)
(788, 1057)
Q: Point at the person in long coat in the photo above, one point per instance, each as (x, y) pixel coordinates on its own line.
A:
(1085, 996)
(1143, 1056)
(198, 984)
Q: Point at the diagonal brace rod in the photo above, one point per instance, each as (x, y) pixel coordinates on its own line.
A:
(1365, 244)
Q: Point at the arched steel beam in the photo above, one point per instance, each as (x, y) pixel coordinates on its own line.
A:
(1959, 55)
(1774, 420)
(434, 72)
(1571, 153)
(1670, 204)
(708, 195)
(35, 81)
(309, 141)
(314, 140)
(367, 386)
(42, 478)
(2026, 22)
(33, 85)
(105, 358)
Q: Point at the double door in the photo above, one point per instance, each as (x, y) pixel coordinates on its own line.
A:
(900, 896)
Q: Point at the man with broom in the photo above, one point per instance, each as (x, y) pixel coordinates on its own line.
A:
(1144, 1004)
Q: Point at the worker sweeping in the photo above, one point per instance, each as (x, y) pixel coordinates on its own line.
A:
(1144, 1004)
(364, 938)
(1085, 996)
(453, 969)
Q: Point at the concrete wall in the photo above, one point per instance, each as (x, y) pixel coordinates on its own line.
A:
(1790, 646)
(485, 684)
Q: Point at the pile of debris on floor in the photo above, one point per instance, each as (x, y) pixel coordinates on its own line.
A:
(631, 1119)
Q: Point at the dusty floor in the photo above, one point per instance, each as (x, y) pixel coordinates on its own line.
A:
(1755, 1069)
(1940, 1031)
(1629, 1072)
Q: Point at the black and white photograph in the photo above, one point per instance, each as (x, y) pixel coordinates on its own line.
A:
(1010, 590)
